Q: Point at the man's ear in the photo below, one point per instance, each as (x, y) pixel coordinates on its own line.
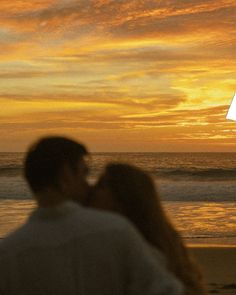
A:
(65, 178)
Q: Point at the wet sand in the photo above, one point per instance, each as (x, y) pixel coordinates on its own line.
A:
(218, 266)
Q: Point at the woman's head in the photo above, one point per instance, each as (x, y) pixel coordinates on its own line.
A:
(130, 191)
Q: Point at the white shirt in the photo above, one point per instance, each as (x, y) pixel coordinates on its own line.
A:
(73, 250)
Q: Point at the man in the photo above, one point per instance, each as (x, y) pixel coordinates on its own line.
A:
(64, 248)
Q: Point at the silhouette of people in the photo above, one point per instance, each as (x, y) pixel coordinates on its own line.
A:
(131, 192)
(64, 248)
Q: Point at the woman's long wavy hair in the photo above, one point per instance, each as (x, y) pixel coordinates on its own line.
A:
(135, 193)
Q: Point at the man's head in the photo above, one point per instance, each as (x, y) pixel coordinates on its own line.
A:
(56, 164)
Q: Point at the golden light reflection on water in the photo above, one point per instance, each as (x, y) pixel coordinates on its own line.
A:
(204, 220)
(198, 221)
(13, 214)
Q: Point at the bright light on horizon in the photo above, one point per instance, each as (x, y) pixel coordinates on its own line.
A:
(232, 110)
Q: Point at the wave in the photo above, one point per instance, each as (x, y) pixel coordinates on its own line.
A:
(196, 174)
(10, 170)
(209, 236)
(184, 191)
(201, 174)
(197, 191)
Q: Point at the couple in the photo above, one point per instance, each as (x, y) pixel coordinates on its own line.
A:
(66, 248)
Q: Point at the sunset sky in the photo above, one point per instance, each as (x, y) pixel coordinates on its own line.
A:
(118, 75)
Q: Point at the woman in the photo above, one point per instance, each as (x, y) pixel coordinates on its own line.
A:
(131, 192)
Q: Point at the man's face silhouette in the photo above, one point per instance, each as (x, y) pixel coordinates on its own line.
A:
(74, 182)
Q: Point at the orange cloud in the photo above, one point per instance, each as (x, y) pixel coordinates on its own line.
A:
(117, 71)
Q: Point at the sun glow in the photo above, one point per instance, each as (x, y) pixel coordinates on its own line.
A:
(121, 71)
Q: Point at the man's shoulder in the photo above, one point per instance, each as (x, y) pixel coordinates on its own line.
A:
(75, 222)
(100, 220)
(13, 240)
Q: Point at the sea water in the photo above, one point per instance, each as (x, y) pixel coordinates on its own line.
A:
(198, 191)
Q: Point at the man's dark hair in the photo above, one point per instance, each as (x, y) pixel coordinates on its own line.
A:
(46, 158)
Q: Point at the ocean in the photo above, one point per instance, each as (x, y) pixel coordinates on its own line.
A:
(198, 191)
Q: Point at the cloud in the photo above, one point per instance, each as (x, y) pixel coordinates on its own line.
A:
(124, 69)
(119, 18)
(98, 99)
(204, 116)
(28, 74)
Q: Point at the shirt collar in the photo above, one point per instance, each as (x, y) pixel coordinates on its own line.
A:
(60, 210)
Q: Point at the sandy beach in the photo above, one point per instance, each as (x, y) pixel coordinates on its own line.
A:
(219, 267)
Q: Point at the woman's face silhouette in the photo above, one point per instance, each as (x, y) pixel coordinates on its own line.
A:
(102, 197)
